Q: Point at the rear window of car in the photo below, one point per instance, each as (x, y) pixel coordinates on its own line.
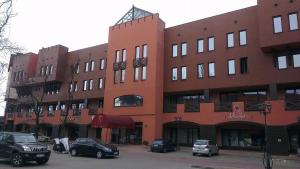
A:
(201, 142)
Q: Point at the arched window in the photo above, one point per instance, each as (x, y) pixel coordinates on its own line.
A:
(128, 101)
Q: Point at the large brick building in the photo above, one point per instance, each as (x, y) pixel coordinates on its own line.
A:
(203, 79)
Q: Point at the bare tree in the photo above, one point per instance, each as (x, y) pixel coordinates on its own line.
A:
(73, 71)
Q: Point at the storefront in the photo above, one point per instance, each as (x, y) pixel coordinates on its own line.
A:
(128, 136)
(294, 137)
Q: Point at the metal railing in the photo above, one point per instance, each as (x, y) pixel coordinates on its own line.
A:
(191, 106)
(252, 106)
(292, 104)
(223, 106)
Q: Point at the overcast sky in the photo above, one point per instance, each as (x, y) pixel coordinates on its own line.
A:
(78, 24)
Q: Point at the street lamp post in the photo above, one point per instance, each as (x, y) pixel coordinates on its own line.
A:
(265, 109)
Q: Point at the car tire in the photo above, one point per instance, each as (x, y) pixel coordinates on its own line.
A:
(42, 162)
(73, 152)
(17, 160)
(99, 154)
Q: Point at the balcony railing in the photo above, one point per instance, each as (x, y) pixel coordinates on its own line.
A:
(192, 106)
(223, 106)
(252, 106)
(170, 108)
(292, 104)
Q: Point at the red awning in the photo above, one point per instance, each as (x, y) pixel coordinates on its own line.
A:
(112, 121)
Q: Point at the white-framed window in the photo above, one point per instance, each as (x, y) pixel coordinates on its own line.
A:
(243, 37)
(144, 72)
(91, 84)
(183, 49)
(211, 69)
(136, 73)
(51, 69)
(200, 71)
(174, 73)
(124, 53)
(86, 69)
(117, 56)
(211, 43)
(137, 52)
(230, 40)
(77, 68)
(75, 86)
(277, 24)
(183, 73)
(123, 72)
(174, 50)
(70, 87)
(47, 70)
(92, 65)
(145, 51)
(85, 85)
(100, 85)
(231, 67)
(200, 45)
(296, 60)
(282, 63)
(102, 64)
(293, 21)
(41, 71)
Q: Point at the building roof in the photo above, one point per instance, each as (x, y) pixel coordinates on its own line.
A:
(132, 14)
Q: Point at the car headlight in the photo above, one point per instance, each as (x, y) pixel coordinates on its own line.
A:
(107, 149)
(26, 148)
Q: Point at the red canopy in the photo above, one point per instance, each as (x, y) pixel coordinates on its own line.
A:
(112, 121)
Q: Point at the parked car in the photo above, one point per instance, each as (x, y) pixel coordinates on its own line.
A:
(92, 147)
(22, 147)
(205, 147)
(160, 145)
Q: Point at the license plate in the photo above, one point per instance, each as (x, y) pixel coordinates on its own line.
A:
(40, 155)
(155, 145)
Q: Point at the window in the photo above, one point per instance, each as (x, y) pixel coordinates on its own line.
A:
(117, 56)
(116, 77)
(122, 75)
(174, 73)
(128, 101)
(282, 64)
(47, 70)
(85, 85)
(211, 43)
(92, 65)
(102, 64)
(75, 86)
(100, 83)
(123, 55)
(211, 69)
(200, 71)
(137, 52)
(76, 68)
(70, 87)
(136, 73)
(296, 60)
(243, 38)
(244, 65)
(51, 69)
(86, 69)
(91, 84)
(293, 21)
(277, 25)
(200, 45)
(144, 73)
(230, 40)
(183, 73)
(231, 67)
(183, 49)
(174, 50)
(145, 51)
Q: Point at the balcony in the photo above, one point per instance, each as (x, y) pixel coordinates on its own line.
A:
(252, 106)
(170, 108)
(292, 104)
(223, 107)
(192, 106)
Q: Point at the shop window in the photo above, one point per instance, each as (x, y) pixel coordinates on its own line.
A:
(128, 101)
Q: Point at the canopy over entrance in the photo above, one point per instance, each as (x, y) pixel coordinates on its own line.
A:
(112, 121)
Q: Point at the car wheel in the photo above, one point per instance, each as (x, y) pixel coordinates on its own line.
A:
(41, 162)
(99, 154)
(17, 159)
(73, 152)
(164, 150)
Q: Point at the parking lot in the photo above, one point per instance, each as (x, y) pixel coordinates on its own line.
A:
(139, 157)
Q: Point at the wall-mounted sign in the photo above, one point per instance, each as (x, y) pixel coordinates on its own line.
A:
(236, 114)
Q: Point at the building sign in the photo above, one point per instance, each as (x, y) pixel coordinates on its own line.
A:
(236, 114)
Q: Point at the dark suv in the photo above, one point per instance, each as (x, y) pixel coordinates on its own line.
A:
(22, 147)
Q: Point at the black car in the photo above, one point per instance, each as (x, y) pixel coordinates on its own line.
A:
(162, 146)
(91, 147)
(22, 147)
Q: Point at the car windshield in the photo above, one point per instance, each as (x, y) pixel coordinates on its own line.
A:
(158, 142)
(201, 142)
(100, 141)
(24, 139)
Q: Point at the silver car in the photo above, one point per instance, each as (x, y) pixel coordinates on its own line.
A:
(205, 147)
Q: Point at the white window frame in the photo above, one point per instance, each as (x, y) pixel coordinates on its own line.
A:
(293, 21)
(183, 48)
(282, 62)
(211, 43)
(123, 75)
(137, 52)
(243, 37)
(102, 64)
(144, 72)
(231, 67)
(296, 60)
(277, 24)
(174, 73)
(200, 70)
(100, 85)
(117, 59)
(230, 40)
(145, 51)
(86, 69)
(183, 72)
(136, 73)
(124, 53)
(91, 84)
(92, 65)
(85, 85)
(211, 69)
(200, 45)
(174, 50)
